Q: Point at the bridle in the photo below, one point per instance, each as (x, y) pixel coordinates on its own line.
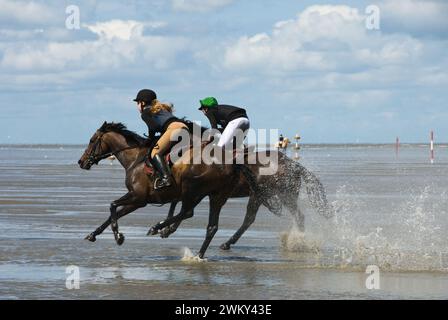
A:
(94, 159)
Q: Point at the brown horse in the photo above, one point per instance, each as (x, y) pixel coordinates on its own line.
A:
(282, 189)
(129, 148)
(193, 182)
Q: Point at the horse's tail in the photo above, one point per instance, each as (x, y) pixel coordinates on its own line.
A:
(316, 191)
(270, 202)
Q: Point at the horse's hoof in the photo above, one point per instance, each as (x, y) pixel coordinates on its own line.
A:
(120, 239)
(225, 246)
(152, 231)
(199, 258)
(91, 237)
(165, 233)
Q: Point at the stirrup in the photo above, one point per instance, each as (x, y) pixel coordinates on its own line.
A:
(160, 183)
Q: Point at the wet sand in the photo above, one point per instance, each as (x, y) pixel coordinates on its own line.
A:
(391, 214)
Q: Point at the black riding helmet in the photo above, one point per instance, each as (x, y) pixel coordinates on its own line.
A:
(146, 95)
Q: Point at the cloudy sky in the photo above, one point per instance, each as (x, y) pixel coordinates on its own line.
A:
(300, 66)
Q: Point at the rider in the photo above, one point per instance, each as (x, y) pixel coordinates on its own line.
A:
(159, 118)
(230, 118)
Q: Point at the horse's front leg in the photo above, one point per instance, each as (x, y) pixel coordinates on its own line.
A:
(119, 237)
(167, 231)
(92, 236)
(185, 212)
(133, 202)
(120, 213)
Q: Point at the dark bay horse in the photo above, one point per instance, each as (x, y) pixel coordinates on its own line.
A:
(284, 186)
(193, 183)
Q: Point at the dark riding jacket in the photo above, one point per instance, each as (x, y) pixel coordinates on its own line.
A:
(222, 114)
(158, 122)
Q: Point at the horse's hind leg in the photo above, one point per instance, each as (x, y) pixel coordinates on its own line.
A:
(299, 219)
(293, 208)
(251, 212)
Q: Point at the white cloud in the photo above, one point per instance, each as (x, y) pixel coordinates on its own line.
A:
(321, 38)
(416, 16)
(119, 29)
(14, 35)
(25, 12)
(199, 5)
(120, 44)
(325, 57)
(321, 68)
(37, 34)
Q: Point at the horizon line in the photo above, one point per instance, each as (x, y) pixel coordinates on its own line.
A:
(290, 146)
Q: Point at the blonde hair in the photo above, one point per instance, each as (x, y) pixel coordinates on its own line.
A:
(157, 106)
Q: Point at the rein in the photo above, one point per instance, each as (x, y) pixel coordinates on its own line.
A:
(94, 159)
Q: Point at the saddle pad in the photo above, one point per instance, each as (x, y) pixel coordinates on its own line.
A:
(149, 170)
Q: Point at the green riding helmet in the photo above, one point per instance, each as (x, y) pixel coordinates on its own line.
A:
(208, 102)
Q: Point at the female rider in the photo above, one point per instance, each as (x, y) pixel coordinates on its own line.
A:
(159, 118)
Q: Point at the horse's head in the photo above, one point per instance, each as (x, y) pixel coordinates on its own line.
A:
(110, 138)
(96, 150)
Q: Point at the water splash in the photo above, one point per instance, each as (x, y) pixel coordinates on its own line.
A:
(189, 257)
(294, 240)
(410, 238)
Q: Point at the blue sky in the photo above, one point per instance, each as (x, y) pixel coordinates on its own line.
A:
(300, 66)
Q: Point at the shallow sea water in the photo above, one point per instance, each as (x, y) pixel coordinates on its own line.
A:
(391, 212)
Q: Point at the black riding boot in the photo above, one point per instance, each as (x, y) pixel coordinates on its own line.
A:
(160, 165)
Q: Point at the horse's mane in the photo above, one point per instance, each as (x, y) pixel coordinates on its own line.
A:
(131, 136)
(120, 128)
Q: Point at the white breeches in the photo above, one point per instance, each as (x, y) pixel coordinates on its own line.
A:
(234, 128)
